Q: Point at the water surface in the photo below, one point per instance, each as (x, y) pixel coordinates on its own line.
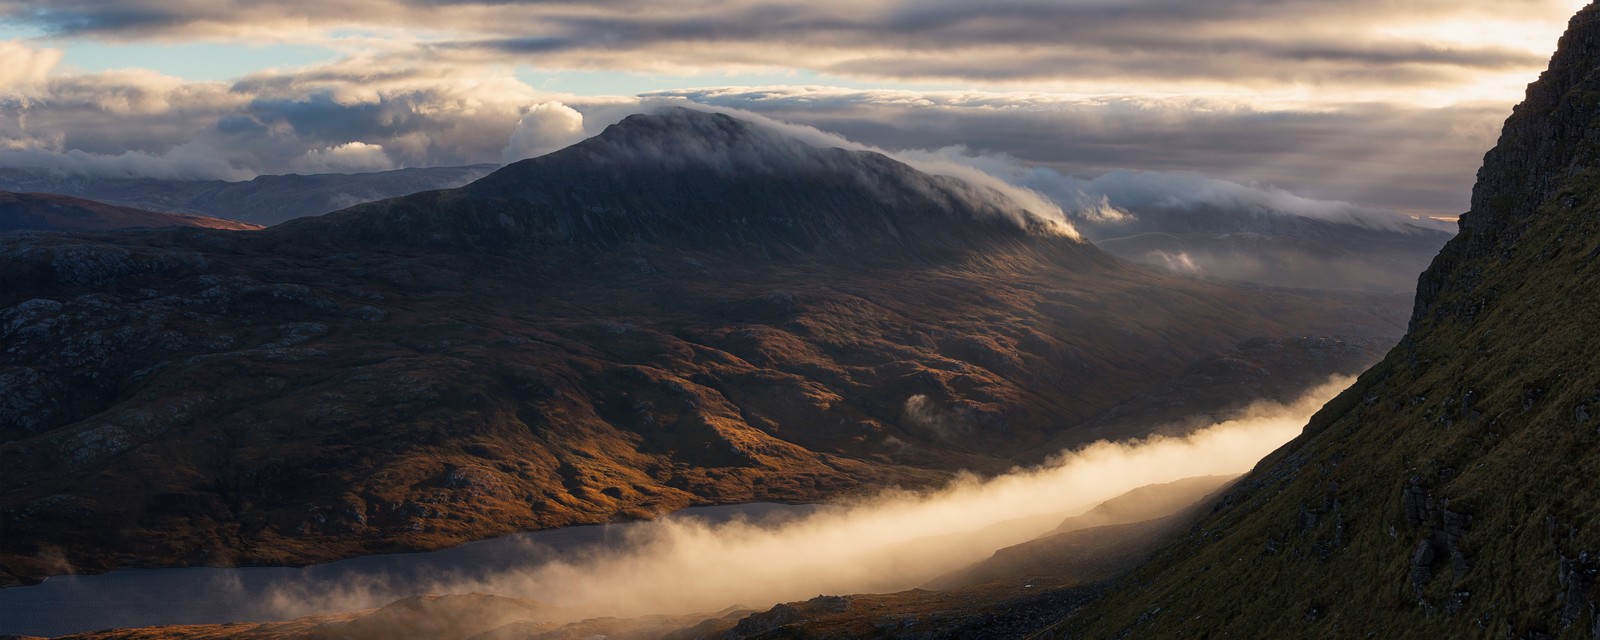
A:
(201, 595)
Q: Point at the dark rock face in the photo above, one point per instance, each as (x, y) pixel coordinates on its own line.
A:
(574, 339)
(1550, 139)
(1455, 463)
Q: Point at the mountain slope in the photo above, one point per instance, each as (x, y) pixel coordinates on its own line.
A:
(602, 333)
(1449, 492)
(264, 200)
(47, 212)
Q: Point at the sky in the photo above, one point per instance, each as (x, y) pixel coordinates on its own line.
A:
(1386, 104)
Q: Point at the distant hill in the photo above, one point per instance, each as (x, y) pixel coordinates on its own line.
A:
(1273, 248)
(49, 212)
(265, 200)
(686, 309)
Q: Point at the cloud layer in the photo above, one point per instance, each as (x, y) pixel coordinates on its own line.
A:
(888, 542)
(1382, 103)
(336, 117)
(1393, 156)
(1253, 42)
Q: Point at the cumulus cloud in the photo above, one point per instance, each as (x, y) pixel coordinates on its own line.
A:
(346, 116)
(544, 128)
(350, 157)
(23, 68)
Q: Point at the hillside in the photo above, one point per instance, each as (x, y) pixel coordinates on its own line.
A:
(687, 309)
(47, 212)
(264, 200)
(1448, 493)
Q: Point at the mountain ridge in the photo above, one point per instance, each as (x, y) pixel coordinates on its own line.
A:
(308, 392)
(51, 212)
(263, 200)
(692, 180)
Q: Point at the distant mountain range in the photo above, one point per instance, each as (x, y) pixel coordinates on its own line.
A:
(49, 212)
(1273, 248)
(1241, 242)
(686, 309)
(266, 200)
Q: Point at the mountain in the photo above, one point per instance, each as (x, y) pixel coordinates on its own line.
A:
(265, 200)
(47, 212)
(1272, 248)
(686, 309)
(1448, 493)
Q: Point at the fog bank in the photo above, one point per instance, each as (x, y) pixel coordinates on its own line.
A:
(894, 540)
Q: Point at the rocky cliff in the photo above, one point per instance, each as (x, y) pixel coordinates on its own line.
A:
(1449, 492)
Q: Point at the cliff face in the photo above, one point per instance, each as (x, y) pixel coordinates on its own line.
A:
(1551, 140)
(1449, 492)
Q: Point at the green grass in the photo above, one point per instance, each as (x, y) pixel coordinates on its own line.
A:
(1517, 464)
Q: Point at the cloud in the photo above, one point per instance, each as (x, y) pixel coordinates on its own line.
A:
(1389, 156)
(23, 68)
(544, 128)
(1249, 42)
(359, 114)
(189, 161)
(326, 117)
(350, 157)
(986, 182)
(891, 541)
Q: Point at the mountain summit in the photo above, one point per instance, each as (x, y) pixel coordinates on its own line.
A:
(694, 180)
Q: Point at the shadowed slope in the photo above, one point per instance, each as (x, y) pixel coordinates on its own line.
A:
(264, 200)
(46, 212)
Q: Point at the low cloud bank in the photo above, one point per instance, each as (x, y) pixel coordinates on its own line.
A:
(1124, 202)
(891, 541)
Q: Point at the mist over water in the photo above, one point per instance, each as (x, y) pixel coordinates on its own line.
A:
(891, 541)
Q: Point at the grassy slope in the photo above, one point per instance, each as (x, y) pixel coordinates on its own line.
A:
(1450, 492)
